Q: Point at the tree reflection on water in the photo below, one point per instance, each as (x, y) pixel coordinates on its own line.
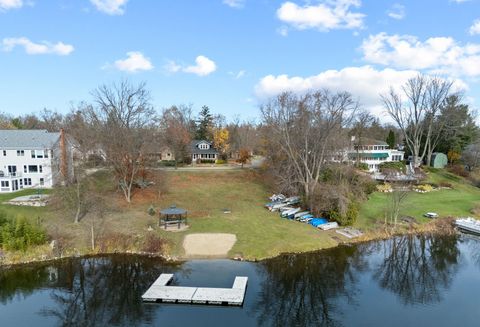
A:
(104, 291)
(417, 268)
(301, 290)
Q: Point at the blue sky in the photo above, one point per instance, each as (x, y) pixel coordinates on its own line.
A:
(231, 54)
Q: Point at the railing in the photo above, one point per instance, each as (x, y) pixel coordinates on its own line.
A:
(10, 175)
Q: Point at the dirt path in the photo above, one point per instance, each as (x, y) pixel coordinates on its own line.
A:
(208, 245)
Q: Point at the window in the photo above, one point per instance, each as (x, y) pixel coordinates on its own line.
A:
(27, 181)
(5, 184)
(4, 153)
(46, 153)
(25, 169)
(20, 153)
(33, 169)
(40, 169)
(33, 153)
(42, 181)
(39, 153)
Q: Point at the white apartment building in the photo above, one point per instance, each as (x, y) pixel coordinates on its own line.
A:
(373, 153)
(33, 159)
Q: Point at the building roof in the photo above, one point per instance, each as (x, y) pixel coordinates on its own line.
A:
(27, 139)
(368, 141)
(195, 149)
(173, 210)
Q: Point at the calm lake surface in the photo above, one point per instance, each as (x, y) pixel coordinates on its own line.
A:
(406, 281)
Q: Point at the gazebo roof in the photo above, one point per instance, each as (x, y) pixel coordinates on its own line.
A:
(173, 210)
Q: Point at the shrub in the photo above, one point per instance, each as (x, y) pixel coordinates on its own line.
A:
(350, 216)
(361, 166)
(392, 165)
(19, 234)
(458, 170)
(153, 244)
(384, 188)
(205, 161)
(425, 188)
(151, 211)
(220, 162)
(114, 242)
(167, 163)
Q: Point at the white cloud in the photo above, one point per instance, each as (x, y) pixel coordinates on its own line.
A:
(397, 11)
(459, 1)
(327, 15)
(203, 67)
(475, 28)
(110, 7)
(235, 3)
(364, 83)
(441, 55)
(134, 62)
(32, 48)
(10, 4)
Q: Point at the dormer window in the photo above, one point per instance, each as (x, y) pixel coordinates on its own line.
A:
(203, 146)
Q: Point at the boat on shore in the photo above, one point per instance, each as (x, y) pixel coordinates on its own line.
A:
(468, 224)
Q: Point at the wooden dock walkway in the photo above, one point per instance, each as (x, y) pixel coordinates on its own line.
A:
(160, 291)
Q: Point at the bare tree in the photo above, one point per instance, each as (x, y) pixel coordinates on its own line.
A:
(471, 156)
(123, 117)
(175, 125)
(305, 132)
(395, 204)
(416, 114)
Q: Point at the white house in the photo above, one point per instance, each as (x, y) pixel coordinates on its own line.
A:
(33, 159)
(373, 153)
(203, 150)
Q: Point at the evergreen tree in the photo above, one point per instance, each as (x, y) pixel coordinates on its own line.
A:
(391, 139)
(204, 124)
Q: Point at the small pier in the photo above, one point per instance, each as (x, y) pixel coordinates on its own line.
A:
(161, 292)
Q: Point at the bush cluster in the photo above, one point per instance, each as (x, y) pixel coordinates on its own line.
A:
(361, 166)
(347, 219)
(424, 188)
(392, 166)
(220, 162)
(19, 234)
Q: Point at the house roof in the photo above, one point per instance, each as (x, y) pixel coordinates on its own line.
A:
(195, 149)
(27, 139)
(369, 141)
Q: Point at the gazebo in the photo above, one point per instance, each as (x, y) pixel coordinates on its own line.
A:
(172, 216)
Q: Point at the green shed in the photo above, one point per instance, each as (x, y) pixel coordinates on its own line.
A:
(439, 160)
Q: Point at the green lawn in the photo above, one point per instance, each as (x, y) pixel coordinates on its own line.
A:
(260, 233)
(17, 211)
(456, 202)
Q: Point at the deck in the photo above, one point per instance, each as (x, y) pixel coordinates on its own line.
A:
(160, 291)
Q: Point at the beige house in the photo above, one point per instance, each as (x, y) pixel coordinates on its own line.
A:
(166, 154)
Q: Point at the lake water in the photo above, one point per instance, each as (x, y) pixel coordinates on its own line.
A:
(406, 281)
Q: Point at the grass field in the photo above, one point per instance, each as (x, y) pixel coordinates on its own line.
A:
(260, 233)
(458, 201)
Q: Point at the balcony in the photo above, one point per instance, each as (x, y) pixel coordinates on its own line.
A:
(10, 175)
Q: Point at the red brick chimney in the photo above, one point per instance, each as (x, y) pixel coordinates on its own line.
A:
(63, 156)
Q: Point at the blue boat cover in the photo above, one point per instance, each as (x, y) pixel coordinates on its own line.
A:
(315, 222)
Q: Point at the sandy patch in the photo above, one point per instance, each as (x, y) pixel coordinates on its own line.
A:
(206, 244)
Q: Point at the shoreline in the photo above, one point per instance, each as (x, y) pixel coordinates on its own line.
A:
(441, 226)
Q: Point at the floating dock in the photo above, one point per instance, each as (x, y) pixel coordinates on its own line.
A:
(160, 291)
